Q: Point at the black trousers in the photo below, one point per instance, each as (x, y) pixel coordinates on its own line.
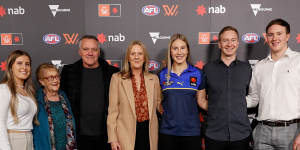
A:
(171, 142)
(211, 144)
(92, 143)
(142, 141)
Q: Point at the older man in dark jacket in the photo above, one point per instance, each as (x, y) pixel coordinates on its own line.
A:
(86, 83)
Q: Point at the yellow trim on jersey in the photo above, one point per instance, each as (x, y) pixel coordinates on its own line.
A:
(180, 89)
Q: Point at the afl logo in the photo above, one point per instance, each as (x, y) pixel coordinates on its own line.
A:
(250, 38)
(150, 10)
(153, 65)
(51, 39)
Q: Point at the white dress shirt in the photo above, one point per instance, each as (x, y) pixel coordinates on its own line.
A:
(26, 110)
(275, 86)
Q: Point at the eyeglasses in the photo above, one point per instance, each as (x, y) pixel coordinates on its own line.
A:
(51, 78)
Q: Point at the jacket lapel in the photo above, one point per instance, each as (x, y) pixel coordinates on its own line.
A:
(127, 85)
(150, 88)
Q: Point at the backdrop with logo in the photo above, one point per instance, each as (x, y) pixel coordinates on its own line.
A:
(50, 29)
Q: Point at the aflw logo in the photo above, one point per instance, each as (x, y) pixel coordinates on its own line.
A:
(71, 38)
(170, 11)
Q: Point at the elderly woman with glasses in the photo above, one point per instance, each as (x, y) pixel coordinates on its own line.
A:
(57, 125)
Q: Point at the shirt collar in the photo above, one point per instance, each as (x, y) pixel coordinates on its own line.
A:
(288, 53)
(233, 62)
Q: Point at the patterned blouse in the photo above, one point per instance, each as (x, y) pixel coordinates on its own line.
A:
(141, 100)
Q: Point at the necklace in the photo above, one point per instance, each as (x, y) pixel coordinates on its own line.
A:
(20, 86)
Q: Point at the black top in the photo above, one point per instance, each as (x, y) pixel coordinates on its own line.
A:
(227, 87)
(92, 106)
(70, 82)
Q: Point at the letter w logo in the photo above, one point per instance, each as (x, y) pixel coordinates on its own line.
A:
(170, 11)
(71, 39)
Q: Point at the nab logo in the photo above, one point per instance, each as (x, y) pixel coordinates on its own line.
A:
(71, 39)
(11, 11)
(201, 10)
(110, 38)
(153, 65)
(250, 38)
(51, 38)
(208, 37)
(150, 10)
(170, 11)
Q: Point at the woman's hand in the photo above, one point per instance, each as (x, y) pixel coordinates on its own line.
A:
(115, 146)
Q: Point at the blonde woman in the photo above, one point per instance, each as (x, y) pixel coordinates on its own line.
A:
(182, 84)
(18, 106)
(133, 99)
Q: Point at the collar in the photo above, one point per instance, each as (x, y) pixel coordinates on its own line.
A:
(288, 53)
(190, 68)
(219, 61)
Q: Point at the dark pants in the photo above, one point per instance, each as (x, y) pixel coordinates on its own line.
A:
(92, 143)
(211, 144)
(142, 141)
(171, 142)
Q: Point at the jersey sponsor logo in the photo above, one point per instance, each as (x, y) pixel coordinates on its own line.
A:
(193, 81)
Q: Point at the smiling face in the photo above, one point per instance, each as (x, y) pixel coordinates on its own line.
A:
(50, 80)
(228, 43)
(21, 68)
(179, 52)
(136, 57)
(277, 38)
(89, 52)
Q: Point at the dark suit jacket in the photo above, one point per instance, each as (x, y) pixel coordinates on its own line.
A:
(70, 83)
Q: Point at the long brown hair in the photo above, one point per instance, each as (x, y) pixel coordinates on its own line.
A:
(126, 70)
(11, 83)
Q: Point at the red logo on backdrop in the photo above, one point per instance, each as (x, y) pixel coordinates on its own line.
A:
(109, 10)
(298, 38)
(3, 66)
(11, 39)
(170, 11)
(201, 10)
(71, 39)
(101, 38)
(2, 11)
(115, 63)
(199, 64)
(208, 37)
